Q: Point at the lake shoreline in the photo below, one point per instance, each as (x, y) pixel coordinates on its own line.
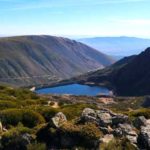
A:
(74, 89)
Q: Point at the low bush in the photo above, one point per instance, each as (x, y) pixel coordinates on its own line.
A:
(14, 140)
(28, 118)
(140, 112)
(118, 144)
(36, 146)
(48, 112)
(74, 110)
(7, 104)
(70, 135)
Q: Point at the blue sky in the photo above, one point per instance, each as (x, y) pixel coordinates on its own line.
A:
(75, 18)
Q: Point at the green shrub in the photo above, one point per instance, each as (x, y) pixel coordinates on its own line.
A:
(36, 146)
(7, 104)
(13, 140)
(26, 117)
(31, 118)
(48, 112)
(140, 112)
(86, 136)
(74, 110)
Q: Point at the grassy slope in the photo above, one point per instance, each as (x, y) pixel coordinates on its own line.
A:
(29, 56)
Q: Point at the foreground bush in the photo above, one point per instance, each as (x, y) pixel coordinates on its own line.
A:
(26, 117)
(47, 112)
(16, 139)
(36, 146)
(7, 104)
(70, 135)
(140, 112)
(118, 144)
(74, 110)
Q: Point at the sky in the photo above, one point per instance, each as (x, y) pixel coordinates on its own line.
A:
(75, 18)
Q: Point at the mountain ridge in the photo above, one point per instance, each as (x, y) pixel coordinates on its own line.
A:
(127, 77)
(28, 56)
(118, 46)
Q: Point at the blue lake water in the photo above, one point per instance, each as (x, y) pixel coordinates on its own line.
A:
(75, 89)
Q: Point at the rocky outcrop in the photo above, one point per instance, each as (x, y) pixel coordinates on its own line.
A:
(144, 137)
(58, 120)
(140, 121)
(128, 131)
(103, 117)
(107, 138)
(111, 124)
(89, 115)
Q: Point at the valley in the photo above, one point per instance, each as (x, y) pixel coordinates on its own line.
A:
(74, 75)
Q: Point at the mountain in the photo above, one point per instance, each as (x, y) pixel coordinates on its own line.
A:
(28, 60)
(128, 77)
(118, 46)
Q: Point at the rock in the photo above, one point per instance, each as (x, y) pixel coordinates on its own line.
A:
(107, 138)
(105, 119)
(140, 121)
(132, 137)
(58, 120)
(127, 131)
(120, 119)
(144, 137)
(106, 130)
(1, 127)
(89, 115)
(27, 137)
(148, 122)
(126, 128)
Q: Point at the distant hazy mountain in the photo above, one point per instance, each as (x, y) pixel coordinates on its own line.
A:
(120, 46)
(28, 60)
(129, 76)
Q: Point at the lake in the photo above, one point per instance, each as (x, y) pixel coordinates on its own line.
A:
(74, 89)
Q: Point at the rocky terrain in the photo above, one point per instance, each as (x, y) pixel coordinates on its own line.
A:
(30, 121)
(38, 60)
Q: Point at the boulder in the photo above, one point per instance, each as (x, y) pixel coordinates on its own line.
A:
(127, 131)
(144, 137)
(106, 130)
(27, 137)
(58, 120)
(105, 119)
(120, 119)
(132, 137)
(126, 128)
(107, 138)
(89, 115)
(140, 121)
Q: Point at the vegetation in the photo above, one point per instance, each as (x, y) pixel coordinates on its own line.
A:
(25, 117)
(118, 144)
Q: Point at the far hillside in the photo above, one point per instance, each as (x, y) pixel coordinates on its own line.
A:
(38, 60)
(118, 46)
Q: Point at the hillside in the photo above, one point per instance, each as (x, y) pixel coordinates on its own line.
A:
(118, 46)
(129, 76)
(28, 60)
